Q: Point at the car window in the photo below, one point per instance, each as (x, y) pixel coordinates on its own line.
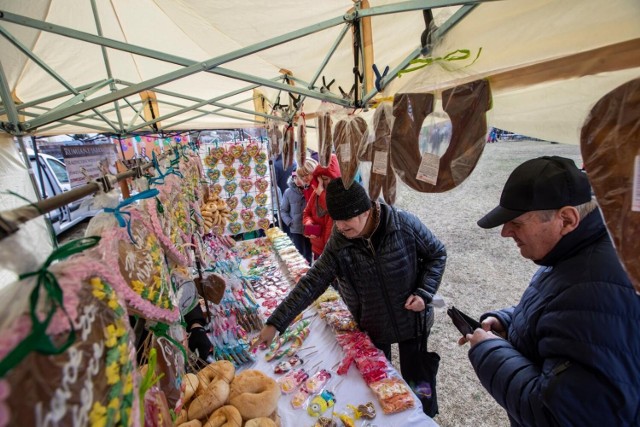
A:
(59, 170)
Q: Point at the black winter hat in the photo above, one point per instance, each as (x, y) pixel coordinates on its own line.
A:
(549, 182)
(346, 203)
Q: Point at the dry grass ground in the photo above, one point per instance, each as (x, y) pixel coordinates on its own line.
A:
(484, 271)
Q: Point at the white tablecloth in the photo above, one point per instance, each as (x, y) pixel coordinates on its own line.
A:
(348, 389)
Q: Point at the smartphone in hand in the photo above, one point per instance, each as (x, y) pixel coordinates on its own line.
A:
(464, 323)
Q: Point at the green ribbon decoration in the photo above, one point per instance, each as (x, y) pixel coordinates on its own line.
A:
(38, 340)
(120, 215)
(161, 330)
(161, 175)
(456, 55)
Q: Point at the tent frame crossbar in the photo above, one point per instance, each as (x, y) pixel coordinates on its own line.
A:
(211, 65)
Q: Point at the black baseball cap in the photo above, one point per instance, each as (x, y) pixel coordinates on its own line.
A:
(549, 182)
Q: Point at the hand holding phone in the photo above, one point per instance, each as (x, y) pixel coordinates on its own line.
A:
(465, 324)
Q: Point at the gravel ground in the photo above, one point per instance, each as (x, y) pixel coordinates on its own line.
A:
(484, 271)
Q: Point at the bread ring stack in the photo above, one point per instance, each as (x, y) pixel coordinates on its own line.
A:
(254, 394)
(216, 397)
(215, 212)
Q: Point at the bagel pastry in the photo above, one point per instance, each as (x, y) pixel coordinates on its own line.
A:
(214, 397)
(226, 416)
(254, 394)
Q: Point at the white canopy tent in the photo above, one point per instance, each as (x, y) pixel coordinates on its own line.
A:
(124, 67)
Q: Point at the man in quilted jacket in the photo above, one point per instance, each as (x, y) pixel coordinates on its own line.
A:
(569, 353)
(388, 266)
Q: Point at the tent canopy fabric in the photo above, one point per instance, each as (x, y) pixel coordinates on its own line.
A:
(81, 66)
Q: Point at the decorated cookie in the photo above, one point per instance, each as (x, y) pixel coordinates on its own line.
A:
(231, 187)
(247, 200)
(264, 223)
(262, 185)
(246, 215)
(217, 153)
(229, 172)
(253, 149)
(235, 227)
(216, 189)
(262, 199)
(232, 202)
(213, 175)
(246, 185)
(217, 229)
(236, 150)
(367, 411)
(245, 159)
(211, 161)
(227, 159)
(261, 157)
(249, 225)
(261, 169)
(261, 211)
(233, 215)
(244, 171)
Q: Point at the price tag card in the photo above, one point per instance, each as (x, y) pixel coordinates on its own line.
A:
(428, 170)
(380, 159)
(635, 202)
(345, 152)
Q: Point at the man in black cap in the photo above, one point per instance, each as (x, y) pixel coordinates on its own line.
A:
(568, 353)
(388, 266)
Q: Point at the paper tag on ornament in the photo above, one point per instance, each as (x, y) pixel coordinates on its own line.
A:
(345, 152)
(428, 170)
(380, 159)
(635, 201)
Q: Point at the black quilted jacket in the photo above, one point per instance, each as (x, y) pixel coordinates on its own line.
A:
(375, 276)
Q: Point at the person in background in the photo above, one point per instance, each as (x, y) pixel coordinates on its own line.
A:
(305, 174)
(291, 208)
(282, 176)
(316, 220)
(567, 353)
(388, 266)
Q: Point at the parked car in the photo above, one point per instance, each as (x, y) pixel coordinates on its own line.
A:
(52, 179)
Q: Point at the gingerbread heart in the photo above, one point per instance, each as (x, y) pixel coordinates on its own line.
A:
(262, 185)
(217, 153)
(213, 175)
(249, 225)
(261, 199)
(227, 159)
(236, 151)
(232, 202)
(261, 169)
(230, 187)
(244, 170)
(235, 227)
(261, 157)
(229, 172)
(216, 189)
(264, 223)
(246, 215)
(210, 161)
(233, 215)
(246, 185)
(253, 149)
(261, 211)
(245, 158)
(247, 200)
